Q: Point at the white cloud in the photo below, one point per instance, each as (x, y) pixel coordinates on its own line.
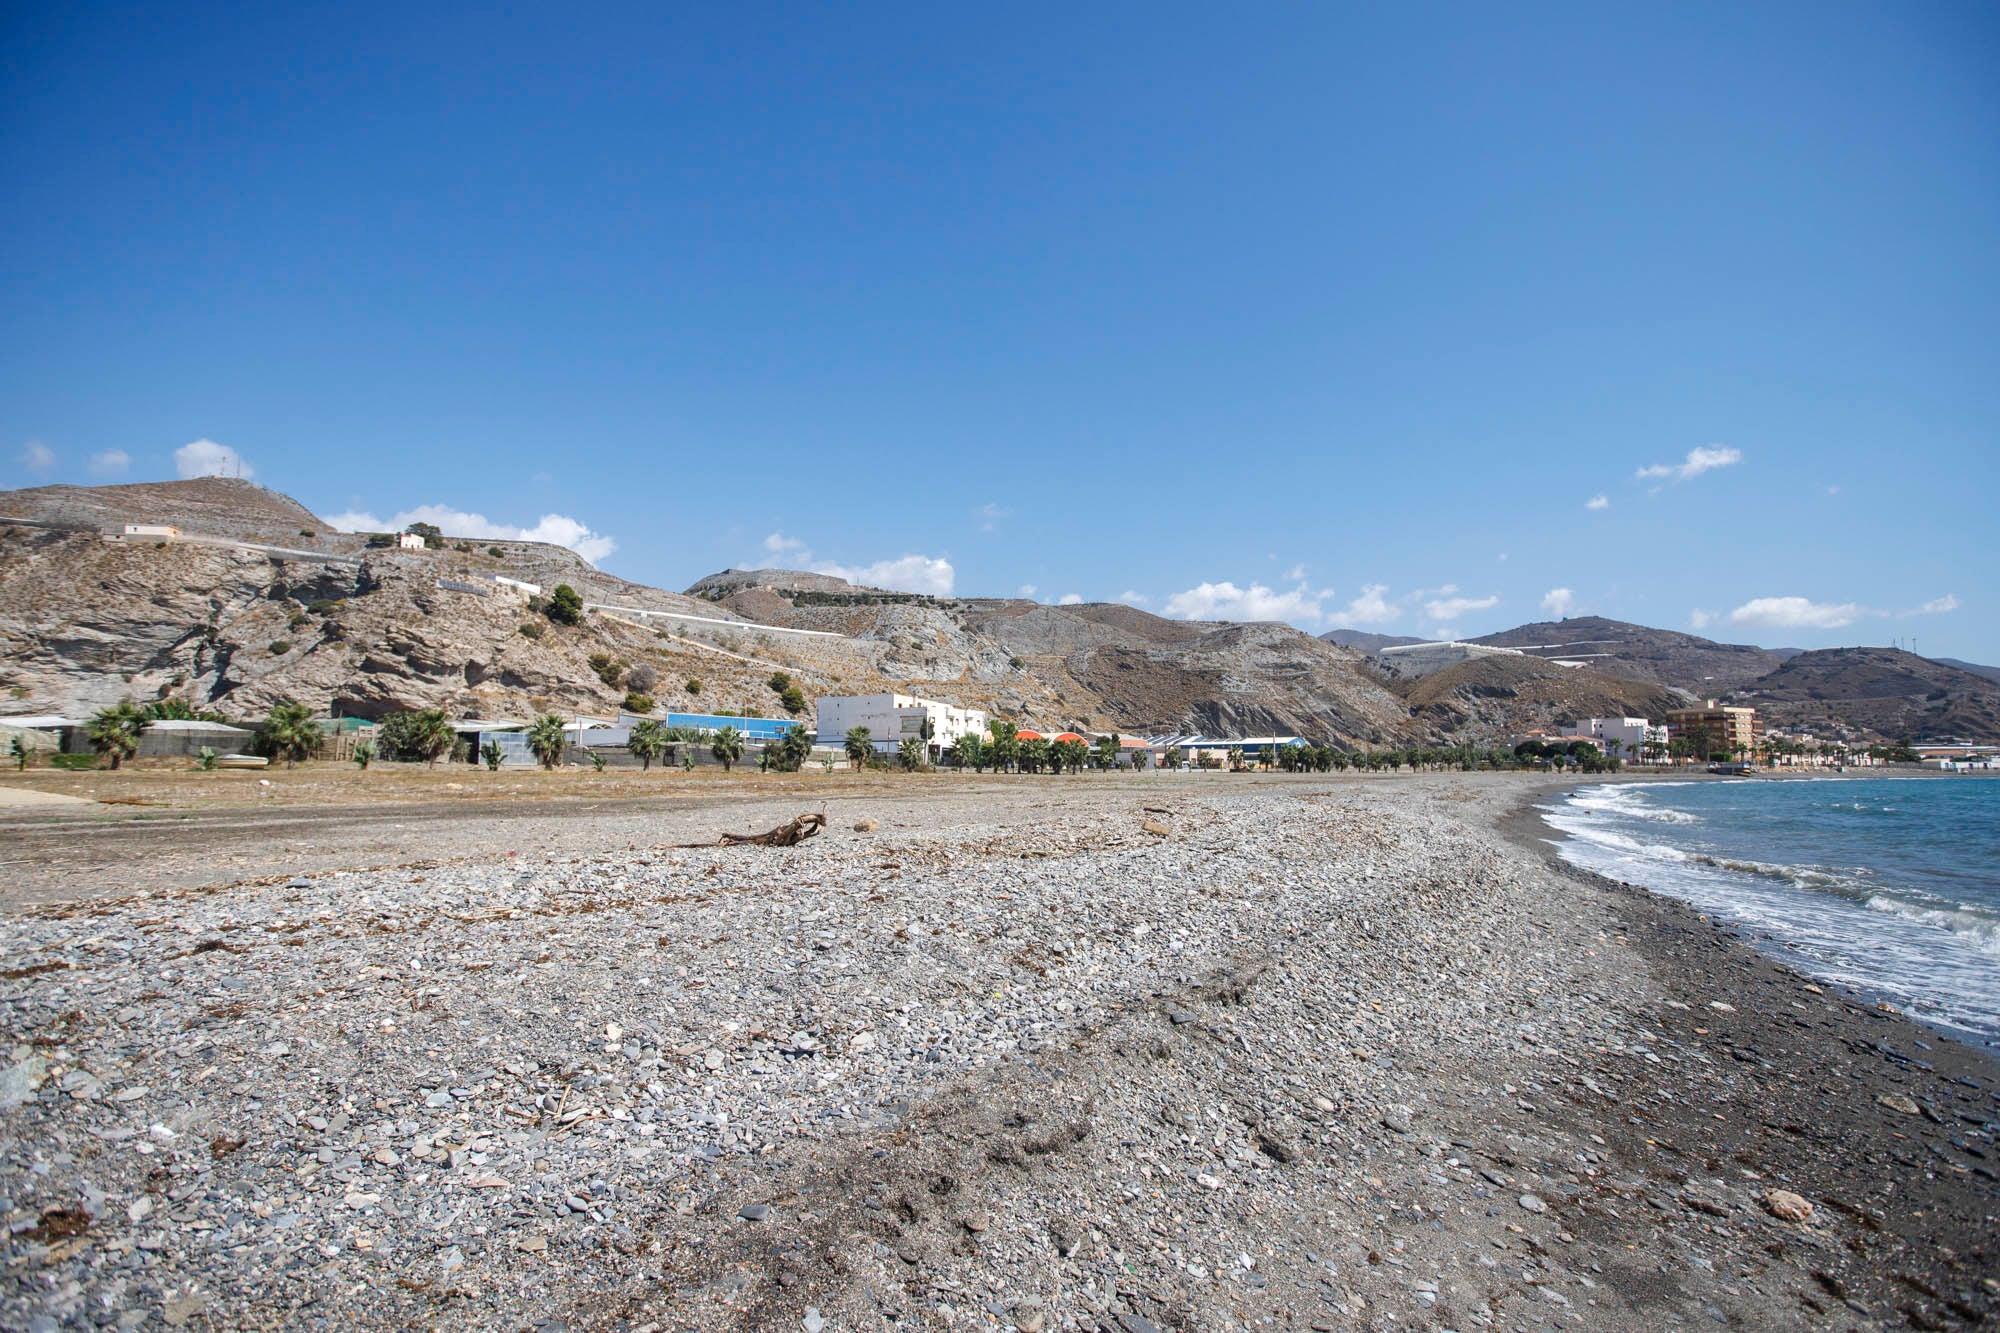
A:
(1226, 601)
(206, 458)
(110, 463)
(1558, 601)
(1444, 610)
(1701, 619)
(1027, 590)
(989, 516)
(1704, 459)
(1936, 606)
(1295, 573)
(907, 573)
(1795, 613)
(37, 457)
(1131, 598)
(555, 529)
(780, 545)
(1372, 607)
(1503, 557)
(1070, 599)
(1598, 502)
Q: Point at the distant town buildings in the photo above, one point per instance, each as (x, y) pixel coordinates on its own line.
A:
(1718, 728)
(892, 718)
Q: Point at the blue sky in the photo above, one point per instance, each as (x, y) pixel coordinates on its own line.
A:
(1339, 315)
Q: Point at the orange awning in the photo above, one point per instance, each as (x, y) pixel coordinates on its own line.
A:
(1027, 735)
(1065, 736)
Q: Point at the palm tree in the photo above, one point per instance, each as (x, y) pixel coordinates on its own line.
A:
(493, 754)
(115, 731)
(1108, 750)
(364, 755)
(18, 748)
(648, 742)
(546, 739)
(727, 747)
(290, 732)
(910, 754)
(859, 746)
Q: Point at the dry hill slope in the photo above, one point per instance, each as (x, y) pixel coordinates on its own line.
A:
(1638, 652)
(1876, 693)
(1490, 698)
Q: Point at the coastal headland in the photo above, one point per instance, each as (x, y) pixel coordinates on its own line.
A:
(1096, 1053)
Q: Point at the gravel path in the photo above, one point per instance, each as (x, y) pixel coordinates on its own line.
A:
(1316, 1056)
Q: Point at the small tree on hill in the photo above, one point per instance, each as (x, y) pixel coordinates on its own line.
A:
(565, 605)
(546, 739)
(115, 731)
(727, 747)
(860, 746)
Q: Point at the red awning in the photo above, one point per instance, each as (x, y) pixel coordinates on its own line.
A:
(1027, 735)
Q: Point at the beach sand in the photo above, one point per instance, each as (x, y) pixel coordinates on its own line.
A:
(1328, 1053)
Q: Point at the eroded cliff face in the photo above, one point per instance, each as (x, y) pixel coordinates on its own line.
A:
(85, 623)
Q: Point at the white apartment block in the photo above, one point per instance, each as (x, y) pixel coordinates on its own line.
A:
(1631, 733)
(890, 718)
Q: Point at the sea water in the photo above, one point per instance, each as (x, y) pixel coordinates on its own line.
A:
(1887, 886)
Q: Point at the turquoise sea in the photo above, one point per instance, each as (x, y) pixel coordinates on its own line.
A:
(1886, 886)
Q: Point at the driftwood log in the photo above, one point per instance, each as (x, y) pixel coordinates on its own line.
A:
(789, 834)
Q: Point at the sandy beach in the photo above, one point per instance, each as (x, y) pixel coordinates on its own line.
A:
(1091, 1053)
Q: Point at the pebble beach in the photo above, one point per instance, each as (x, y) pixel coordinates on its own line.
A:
(1309, 1054)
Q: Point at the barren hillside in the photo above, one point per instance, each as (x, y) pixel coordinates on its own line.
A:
(1490, 698)
(1638, 652)
(1876, 694)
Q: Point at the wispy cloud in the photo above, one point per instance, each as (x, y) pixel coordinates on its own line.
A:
(1936, 606)
(1226, 601)
(989, 516)
(1026, 590)
(1372, 607)
(1070, 599)
(206, 458)
(1598, 502)
(1131, 598)
(1444, 610)
(1699, 460)
(37, 457)
(110, 463)
(1796, 613)
(1295, 573)
(1558, 601)
(781, 546)
(555, 529)
(1701, 619)
(905, 573)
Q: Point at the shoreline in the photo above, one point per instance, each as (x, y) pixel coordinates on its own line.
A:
(1320, 1054)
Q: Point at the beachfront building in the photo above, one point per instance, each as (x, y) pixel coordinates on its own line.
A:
(893, 718)
(1716, 729)
(1632, 734)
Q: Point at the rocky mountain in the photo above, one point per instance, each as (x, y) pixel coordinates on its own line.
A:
(1988, 672)
(1099, 664)
(1876, 694)
(222, 506)
(338, 624)
(1486, 699)
(1638, 652)
(1363, 642)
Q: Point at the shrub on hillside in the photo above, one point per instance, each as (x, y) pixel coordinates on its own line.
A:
(565, 605)
(636, 702)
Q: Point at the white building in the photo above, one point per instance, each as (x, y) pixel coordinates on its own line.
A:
(410, 541)
(143, 532)
(890, 718)
(1631, 733)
